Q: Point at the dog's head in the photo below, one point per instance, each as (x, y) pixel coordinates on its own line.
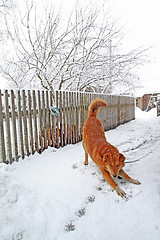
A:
(113, 163)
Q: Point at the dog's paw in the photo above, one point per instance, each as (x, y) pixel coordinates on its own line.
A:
(85, 163)
(134, 181)
(120, 191)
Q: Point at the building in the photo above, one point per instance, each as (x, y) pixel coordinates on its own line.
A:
(147, 101)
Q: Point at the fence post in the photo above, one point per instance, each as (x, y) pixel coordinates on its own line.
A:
(20, 124)
(60, 117)
(2, 131)
(67, 118)
(81, 115)
(84, 107)
(44, 120)
(8, 133)
(52, 122)
(30, 121)
(57, 122)
(48, 119)
(40, 117)
(70, 117)
(64, 118)
(35, 121)
(13, 114)
(118, 110)
(25, 122)
(77, 117)
(73, 118)
(158, 108)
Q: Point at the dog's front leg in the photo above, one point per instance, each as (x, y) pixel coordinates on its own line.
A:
(112, 183)
(124, 175)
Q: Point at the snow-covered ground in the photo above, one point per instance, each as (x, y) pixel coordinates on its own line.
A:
(53, 196)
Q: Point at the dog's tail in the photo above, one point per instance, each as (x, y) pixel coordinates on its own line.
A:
(94, 107)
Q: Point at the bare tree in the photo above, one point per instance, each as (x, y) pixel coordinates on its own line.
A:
(80, 54)
(6, 5)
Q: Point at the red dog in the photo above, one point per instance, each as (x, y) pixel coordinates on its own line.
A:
(105, 155)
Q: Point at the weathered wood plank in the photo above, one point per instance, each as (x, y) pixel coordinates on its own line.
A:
(64, 118)
(40, 118)
(68, 118)
(14, 125)
(2, 131)
(44, 121)
(35, 120)
(57, 122)
(8, 131)
(73, 118)
(77, 117)
(48, 119)
(25, 124)
(30, 121)
(81, 114)
(52, 122)
(61, 120)
(20, 124)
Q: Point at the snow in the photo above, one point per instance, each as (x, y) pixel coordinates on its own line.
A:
(53, 196)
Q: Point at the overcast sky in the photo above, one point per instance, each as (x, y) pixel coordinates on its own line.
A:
(140, 19)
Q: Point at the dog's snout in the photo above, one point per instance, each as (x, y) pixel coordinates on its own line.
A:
(114, 175)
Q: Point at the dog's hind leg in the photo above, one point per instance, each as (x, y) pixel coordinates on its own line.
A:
(86, 154)
(86, 158)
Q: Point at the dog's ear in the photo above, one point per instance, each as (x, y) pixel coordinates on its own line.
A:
(121, 157)
(106, 157)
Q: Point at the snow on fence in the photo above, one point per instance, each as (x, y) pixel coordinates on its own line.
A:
(27, 125)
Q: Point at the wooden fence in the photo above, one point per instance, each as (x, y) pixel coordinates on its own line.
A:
(27, 125)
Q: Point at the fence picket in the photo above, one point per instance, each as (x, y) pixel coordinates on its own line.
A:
(35, 120)
(67, 118)
(30, 121)
(70, 116)
(77, 116)
(44, 120)
(57, 122)
(40, 116)
(2, 132)
(25, 122)
(60, 117)
(14, 124)
(52, 122)
(81, 115)
(8, 132)
(48, 119)
(64, 118)
(84, 106)
(20, 124)
(73, 118)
